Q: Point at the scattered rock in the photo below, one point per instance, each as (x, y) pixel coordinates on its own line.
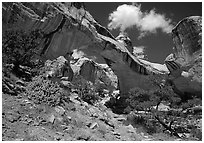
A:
(51, 118)
(60, 110)
(58, 68)
(83, 134)
(78, 122)
(20, 82)
(163, 107)
(109, 123)
(27, 101)
(62, 33)
(12, 116)
(60, 119)
(69, 118)
(94, 125)
(93, 112)
(57, 138)
(65, 78)
(117, 134)
(103, 128)
(131, 129)
(121, 119)
(115, 93)
(147, 139)
(66, 84)
(20, 139)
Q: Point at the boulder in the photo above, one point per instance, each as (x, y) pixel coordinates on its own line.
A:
(11, 84)
(99, 74)
(185, 64)
(58, 68)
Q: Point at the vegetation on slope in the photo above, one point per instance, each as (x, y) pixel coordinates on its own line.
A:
(178, 118)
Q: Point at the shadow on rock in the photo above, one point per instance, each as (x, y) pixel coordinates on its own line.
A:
(117, 105)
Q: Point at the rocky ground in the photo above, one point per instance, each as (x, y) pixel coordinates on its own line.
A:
(28, 109)
(23, 120)
(26, 121)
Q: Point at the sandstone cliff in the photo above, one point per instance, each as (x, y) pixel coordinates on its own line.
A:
(67, 27)
(99, 74)
(185, 64)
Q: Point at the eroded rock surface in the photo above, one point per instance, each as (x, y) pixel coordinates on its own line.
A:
(59, 68)
(125, 41)
(67, 27)
(96, 73)
(185, 64)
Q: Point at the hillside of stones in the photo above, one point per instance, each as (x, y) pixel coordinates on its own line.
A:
(81, 75)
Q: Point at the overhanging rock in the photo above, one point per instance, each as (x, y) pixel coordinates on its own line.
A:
(67, 27)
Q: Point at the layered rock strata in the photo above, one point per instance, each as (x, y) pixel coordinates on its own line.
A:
(58, 68)
(67, 27)
(95, 73)
(185, 64)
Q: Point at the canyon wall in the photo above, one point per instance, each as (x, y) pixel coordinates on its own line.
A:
(69, 27)
(185, 64)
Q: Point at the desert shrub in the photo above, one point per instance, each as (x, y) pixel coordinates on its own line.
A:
(145, 122)
(171, 121)
(148, 101)
(86, 90)
(191, 103)
(139, 99)
(100, 89)
(152, 126)
(138, 119)
(88, 95)
(42, 90)
(20, 48)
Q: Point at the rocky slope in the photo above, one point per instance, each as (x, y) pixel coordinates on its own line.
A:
(68, 27)
(23, 120)
(185, 64)
(75, 45)
(99, 74)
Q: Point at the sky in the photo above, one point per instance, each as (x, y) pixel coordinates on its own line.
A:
(148, 24)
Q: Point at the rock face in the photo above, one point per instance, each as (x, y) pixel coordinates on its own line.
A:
(96, 73)
(131, 72)
(125, 41)
(65, 26)
(68, 27)
(187, 37)
(185, 64)
(59, 68)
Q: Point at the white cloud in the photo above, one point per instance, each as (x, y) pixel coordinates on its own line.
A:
(127, 16)
(152, 21)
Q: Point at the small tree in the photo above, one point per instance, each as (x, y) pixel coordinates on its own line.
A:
(148, 101)
(19, 47)
(86, 90)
